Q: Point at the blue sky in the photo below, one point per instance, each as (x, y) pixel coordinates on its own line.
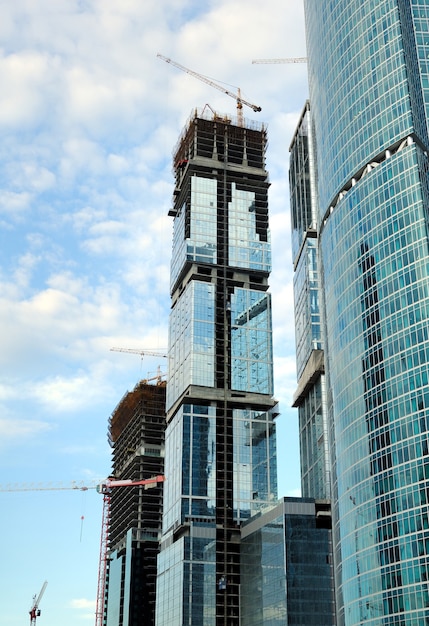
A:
(89, 117)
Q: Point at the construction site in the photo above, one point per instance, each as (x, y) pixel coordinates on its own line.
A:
(136, 435)
(219, 402)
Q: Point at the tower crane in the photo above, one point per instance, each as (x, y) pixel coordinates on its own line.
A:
(159, 376)
(290, 60)
(237, 96)
(35, 611)
(105, 487)
(141, 351)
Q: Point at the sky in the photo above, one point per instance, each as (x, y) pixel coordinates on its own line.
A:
(89, 117)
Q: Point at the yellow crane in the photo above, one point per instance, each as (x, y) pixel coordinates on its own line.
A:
(237, 96)
(159, 376)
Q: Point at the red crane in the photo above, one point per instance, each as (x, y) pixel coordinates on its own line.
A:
(104, 488)
(35, 611)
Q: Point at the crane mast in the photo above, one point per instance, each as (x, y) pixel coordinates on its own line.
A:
(105, 488)
(237, 96)
(35, 611)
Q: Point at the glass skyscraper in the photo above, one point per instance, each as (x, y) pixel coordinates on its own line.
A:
(310, 396)
(220, 460)
(369, 94)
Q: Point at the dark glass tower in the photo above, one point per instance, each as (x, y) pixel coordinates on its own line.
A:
(220, 437)
(287, 573)
(368, 74)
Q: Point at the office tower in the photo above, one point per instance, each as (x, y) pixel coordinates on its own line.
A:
(310, 396)
(368, 77)
(136, 434)
(287, 573)
(220, 438)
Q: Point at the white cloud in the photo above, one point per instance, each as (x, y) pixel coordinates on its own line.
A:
(25, 79)
(19, 429)
(65, 394)
(83, 219)
(80, 155)
(89, 118)
(96, 174)
(14, 203)
(82, 603)
(85, 607)
(35, 177)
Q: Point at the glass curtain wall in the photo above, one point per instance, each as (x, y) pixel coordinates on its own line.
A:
(310, 397)
(367, 59)
(220, 463)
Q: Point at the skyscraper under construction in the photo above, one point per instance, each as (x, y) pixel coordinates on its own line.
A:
(220, 437)
(136, 434)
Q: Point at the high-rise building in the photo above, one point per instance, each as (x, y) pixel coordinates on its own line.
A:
(369, 95)
(136, 434)
(220, 437)
(310, 396)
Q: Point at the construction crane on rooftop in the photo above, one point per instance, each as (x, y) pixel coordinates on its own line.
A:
(35, 611)
(237, 96)
(159, 376)
(289, 60)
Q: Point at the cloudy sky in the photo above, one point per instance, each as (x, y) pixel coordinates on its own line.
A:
(89, 117)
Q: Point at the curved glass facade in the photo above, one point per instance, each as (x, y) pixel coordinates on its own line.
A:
(362, 75)
(376, 266)
(368, 83)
